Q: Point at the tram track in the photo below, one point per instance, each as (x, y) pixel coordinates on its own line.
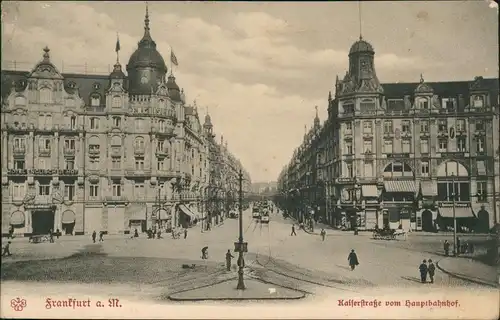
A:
(273, 266)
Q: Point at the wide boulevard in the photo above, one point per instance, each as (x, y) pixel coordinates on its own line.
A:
(152, 268)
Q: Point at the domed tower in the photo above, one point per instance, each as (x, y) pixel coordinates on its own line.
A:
(146, 67)
(362, 67)
(173, 89)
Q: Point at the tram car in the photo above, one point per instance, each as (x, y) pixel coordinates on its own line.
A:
(264, 217)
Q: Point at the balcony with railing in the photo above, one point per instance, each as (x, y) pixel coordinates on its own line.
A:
(139, 150)
(116, 151)
(19, 151)
(69, 152)
(115, 200)
(94, 150)
(138, 172)
(44, 152)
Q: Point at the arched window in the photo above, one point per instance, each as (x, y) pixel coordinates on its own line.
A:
(447, 190)
(139, 143)
(117, 102)
(398, 169)
(94, 144)
(95, 100)
(45, 95)
(116, 141)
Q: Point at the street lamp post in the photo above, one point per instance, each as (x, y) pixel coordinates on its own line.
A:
(455, 249)
(240, 246)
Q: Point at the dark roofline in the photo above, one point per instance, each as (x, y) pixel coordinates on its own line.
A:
(439, 82)
(65, 75)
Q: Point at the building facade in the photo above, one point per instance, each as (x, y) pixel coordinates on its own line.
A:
(84, 153)
(222, 191)
(402, 155)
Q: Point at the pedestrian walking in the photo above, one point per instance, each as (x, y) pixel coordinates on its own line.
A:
(185, 233)
(293, 230)
(11, 232)
(101, 235)
(204, 253)
(423, 271)
(136, 234)
(6, 249)
(431, 269)
(58, 233)
(323, 234)
(353, 260)
(94, 235)
(446, 246)
(229, 256)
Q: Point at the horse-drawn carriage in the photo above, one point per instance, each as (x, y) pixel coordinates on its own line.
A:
(387, 234)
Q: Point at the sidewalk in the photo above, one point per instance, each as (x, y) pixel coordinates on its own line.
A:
(469, 270)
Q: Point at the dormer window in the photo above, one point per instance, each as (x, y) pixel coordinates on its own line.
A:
(448, 104)
(478, 101)
(95, 101)
(423, 104)
(116, 102)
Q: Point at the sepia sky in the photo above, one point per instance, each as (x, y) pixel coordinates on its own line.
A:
(260, 68)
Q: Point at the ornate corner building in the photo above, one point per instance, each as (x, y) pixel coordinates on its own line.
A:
(410, 155)
(84, 153)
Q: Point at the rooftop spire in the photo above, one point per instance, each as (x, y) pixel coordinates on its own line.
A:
(46, 56)
(146, 20)
(146, 39)
(360, 26)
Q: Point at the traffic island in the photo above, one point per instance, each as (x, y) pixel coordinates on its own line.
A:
(226, 290)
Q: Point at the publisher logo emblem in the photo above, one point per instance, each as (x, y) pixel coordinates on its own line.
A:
(18, 304)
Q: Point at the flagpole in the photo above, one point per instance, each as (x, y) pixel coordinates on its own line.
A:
(171, 67)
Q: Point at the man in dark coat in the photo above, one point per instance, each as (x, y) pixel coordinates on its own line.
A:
(94, 235)
(423, 271)
(353, 260)
(293, 231)
(229, 256)
(431, 269)
(446, 247)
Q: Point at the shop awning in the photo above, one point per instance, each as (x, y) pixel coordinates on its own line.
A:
(409, 186)
(369, 191)
(429, 188)
(460, 212)
(187, 212)
(68, 217)
(17, 218)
